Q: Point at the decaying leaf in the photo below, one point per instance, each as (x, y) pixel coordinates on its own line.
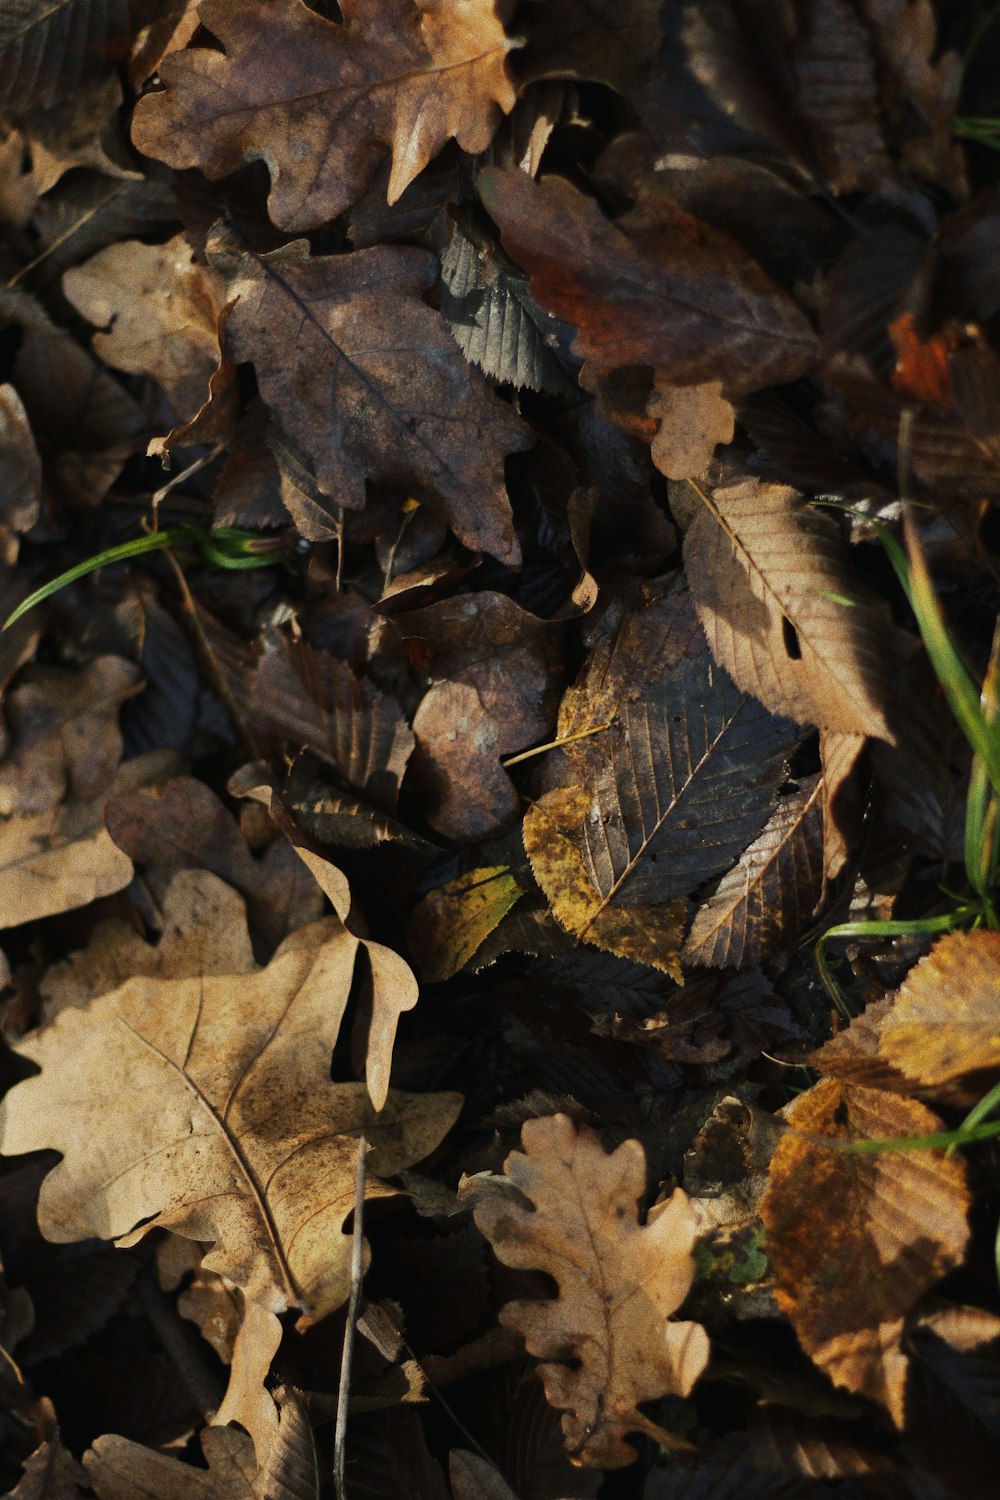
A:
(321, 102)
(619, 1282)
(781, 609)
(692, 419)
(945, 1021)
(681, 775)
(381, 392)
(897, 1219)
(47, 51)
(51, 1473)
(230, 1130)
(646, 299)
(449, 926)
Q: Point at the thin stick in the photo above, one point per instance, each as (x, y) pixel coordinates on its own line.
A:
(567, 739)
(357, 1272)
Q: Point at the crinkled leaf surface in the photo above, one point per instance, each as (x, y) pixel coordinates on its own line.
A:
(49, 47)
(896, 1219)
(619, 1282)
(377, 389)
(321, 102)
(204, 1105)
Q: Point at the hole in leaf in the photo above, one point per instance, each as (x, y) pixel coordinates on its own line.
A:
(790, 636)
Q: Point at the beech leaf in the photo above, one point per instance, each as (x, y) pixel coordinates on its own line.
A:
(769, 576)
(320, 101)
(619, 1282)
(945, 1021)
(229, 1130)
(897, 1219)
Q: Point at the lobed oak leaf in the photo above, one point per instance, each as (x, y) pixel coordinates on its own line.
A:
(51, 1473)
(62, 858)
(320, 101)
(692, 419)
(619, 1282)
(679, 296)
(159, 315)
(897, 1219)
(378, 390)
(230, 1130)
(945, 1021)
(769, 576)
(119, 1469)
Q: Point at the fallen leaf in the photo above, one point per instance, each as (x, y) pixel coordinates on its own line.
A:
(608, 41)
(769, 896)
(953, 1398)
(306, 699)
(20, 466)
(692, 419)
(449, 926)
(159, 312)
(47, 51)
(320, 102)
(65, 857)
(945, 1023)
(897, 1219)
(119, 1469)
(230, 1130)
(619, 1282)
(683, 772)
(384, 395)
(769, 576)
(475, 1478)
(51, 1473)
(64, 728)
(682, 297)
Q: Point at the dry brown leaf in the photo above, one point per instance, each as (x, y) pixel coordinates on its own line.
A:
(610, 41)
(839, 754)
(20, 468)
(763, 567)
(475, 1478)
(230, 1130)
(64, 727)
(51, 1473)
(160, 312)
(681, 774)
(855, 1239)
(619, 1282)
(380, 392)
(692, 420)
(321, 102)
(119, 1469)
(770, 894)
(945, 1022)
(65, 857)
(681, 297)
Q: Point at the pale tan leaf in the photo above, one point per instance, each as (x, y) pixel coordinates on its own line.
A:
(230, 1130)
(769, 576)
(855, 1239)
(65, 857)
(692, 419)
(119, 1469)
(619, 1282)
(771, 892)
(51, 1473)
(945, 1022)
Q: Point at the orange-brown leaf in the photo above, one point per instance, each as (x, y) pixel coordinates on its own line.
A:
(945, 1022)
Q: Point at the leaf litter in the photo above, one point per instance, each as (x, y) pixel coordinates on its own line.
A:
(570, 368)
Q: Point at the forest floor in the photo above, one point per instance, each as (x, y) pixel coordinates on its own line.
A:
(500, 749)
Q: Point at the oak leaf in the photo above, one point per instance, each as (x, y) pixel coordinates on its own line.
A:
(945, 1021)
(619, 1282)
(681, 296)
(897, 1219)
(120, 1469)
(378, 391)
(229, 1131)
(770, 578)
(320, 102)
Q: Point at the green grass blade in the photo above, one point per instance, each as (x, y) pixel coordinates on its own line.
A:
(137, 547)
